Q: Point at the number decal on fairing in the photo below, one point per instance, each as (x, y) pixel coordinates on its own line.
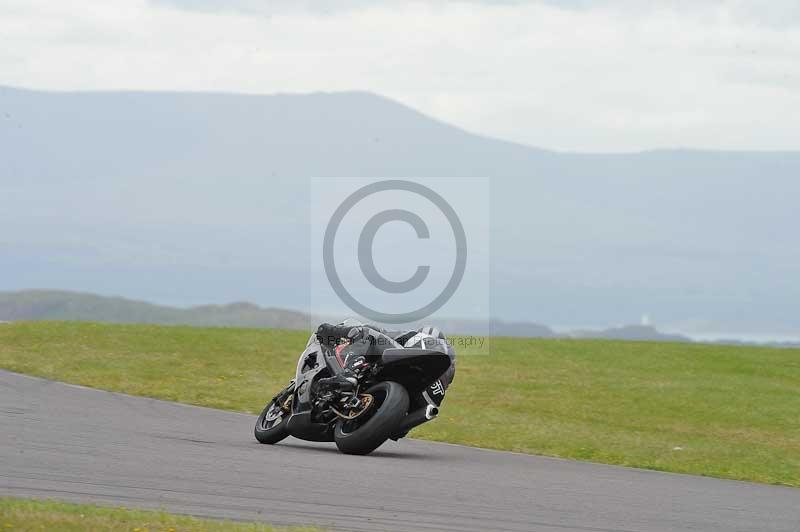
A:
(437, 388)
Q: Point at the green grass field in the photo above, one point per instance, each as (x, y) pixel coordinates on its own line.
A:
(24, 515)
(721, 411)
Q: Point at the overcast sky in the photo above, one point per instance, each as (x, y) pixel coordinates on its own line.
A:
(567, 75)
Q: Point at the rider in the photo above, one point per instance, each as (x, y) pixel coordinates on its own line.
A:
(351, 344)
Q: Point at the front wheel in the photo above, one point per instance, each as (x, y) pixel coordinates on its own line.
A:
(271, 424)
(368, 431)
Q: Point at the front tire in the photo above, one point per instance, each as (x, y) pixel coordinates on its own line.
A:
(271, 424)
(362, 436)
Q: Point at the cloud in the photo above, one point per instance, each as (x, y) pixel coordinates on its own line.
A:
(781, 13)
(328, 7)
(610, 76)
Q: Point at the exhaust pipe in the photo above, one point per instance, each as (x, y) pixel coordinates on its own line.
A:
(414, 419)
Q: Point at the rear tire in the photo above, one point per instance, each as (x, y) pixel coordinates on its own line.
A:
(269, 428)
(363, 437)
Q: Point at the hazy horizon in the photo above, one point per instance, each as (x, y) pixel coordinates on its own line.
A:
(562, 329)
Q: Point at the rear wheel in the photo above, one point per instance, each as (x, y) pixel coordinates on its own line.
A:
(271, 424)
(369, 430)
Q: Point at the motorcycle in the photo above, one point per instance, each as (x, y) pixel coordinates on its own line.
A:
(359, 420)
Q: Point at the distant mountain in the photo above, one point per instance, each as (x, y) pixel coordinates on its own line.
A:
(33, 305)
(188, 198)
(631, 332)
(59, 305)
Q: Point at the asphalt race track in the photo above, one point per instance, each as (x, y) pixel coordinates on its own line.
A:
(78, 444)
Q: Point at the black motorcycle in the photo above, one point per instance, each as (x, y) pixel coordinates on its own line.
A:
(362, 418)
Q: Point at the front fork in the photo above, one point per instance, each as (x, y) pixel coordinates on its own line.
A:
(284, 398)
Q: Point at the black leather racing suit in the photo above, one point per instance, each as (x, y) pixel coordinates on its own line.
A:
(351, 344)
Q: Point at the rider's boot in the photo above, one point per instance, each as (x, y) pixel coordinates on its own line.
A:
(343, 382)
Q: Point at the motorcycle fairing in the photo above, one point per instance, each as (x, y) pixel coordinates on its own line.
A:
(312, 364)
(416, 369)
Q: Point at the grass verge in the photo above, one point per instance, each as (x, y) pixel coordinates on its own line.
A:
(711, 410)
(28, 515)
